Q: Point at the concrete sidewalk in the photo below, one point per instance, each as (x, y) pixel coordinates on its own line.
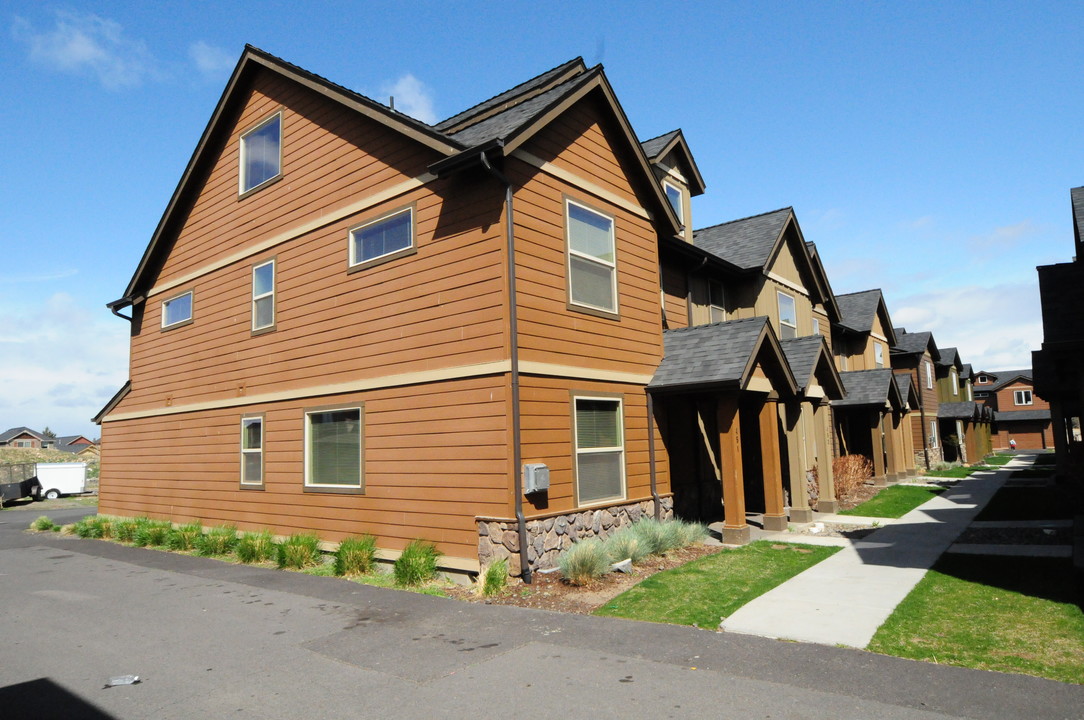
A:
(844, 599)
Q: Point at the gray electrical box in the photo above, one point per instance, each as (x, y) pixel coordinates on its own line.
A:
(536, 478)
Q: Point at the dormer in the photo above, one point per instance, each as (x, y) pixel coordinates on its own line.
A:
(676, 170)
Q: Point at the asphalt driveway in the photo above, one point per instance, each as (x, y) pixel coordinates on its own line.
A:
(210, 639)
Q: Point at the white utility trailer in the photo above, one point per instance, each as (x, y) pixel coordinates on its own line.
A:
(58, 479)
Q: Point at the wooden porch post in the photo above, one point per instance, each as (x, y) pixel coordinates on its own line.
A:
(735, 528)
(878, 452)
(775, 514)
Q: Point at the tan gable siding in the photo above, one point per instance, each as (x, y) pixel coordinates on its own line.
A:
(330, 157)
(423, 479)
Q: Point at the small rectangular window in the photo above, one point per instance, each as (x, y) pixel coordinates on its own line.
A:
(592, 261)
(1022, 397)
(674, 195)
(261, 153)
(263, 296)
(333, 448)
(383, 238)
(252, 451)
(716, 301)
(878, 355)
(177, 310)
(788, 318)
(600, 449)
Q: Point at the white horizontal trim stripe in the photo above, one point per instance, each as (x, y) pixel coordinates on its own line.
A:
(297, 231)
(585, 185)
(580, 373)
(788, 283)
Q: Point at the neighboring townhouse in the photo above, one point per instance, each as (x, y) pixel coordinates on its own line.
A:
(1019, 412)
(348, 321)
(1058, 372)
(915, 354)
(25, 438)
(873, 419)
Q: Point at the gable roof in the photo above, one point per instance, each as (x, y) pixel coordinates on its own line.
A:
(748, 243)
(497, 127)
(21, 430)
(1008, 377)
(674, 141)
(869, 387)
(810, 360)
(718, 355)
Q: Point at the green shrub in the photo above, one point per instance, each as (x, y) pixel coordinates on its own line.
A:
(93, 527)
(584, 561)
(184, 537)
(495, 577)
(217, 541)
(124, 530)
(299, 551)
(355, 555)
(625, 544)
(256, 547)
(151, 533)
(417, 564)
(43, 524)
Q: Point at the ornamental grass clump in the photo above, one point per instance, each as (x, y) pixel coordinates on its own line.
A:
(625, 545)
(43, 524)
(585, 561)
(254, 547)
(217, 541)
(355, 555)
(299, 551)
(184, 537)
(417, 564)
(495, 578)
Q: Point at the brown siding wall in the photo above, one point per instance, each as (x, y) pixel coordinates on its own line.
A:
(422, 479)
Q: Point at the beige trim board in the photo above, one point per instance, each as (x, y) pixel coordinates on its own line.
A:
(297, 231)
(578, 182)
(580, 373)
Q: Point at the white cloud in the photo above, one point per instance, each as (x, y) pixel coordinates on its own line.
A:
(61, 364)
(86, 44)
(413, 98)
(211, 61)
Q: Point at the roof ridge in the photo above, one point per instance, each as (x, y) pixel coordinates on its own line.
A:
(466, 114)
(731, 222)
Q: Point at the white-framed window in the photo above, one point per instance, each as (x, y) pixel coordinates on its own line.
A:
(385, 237)
(933, 433)
(263, 296)
(177, 310)
(955, 381)
(592, 258)
(1021, 397)
(600, 449)
(716, 301)
(929, 375)
(333, 448)
(261, 154)
(816, 326)
(675, 196)
(252, 451)
(878, 355)
(788, 316)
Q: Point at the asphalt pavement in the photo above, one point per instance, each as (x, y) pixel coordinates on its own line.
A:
(213, 639)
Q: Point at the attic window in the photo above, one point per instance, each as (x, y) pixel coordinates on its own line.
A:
(261, 153)
(674, 195)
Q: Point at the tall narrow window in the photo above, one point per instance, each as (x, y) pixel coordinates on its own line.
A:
(716, 301)
(600, 450)
(592, 260)
(261, 153)
(177, 310)
(384, 238)
(333, 448)
(929, 375)
(788, 318)
(878, 355)
(263, 296)
(1022, 397)
(674, 195)
(252, 451)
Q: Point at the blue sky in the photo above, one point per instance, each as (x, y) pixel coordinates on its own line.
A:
(927, 148)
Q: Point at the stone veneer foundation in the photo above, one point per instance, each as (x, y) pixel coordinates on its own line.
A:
(547, 537)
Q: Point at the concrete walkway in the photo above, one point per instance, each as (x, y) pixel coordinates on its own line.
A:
(844, 599)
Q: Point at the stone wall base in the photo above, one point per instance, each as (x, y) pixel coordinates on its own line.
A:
(547, 538)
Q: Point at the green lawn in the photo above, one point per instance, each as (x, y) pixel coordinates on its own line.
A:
(706, 590)
(992, 613)
(894, 502)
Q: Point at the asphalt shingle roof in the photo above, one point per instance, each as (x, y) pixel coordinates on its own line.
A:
(716, 354)
(1011, 415)
(654, 146)
(865, 387)
(511, 94)
(801, 354)
(747, 243)
(857, 310)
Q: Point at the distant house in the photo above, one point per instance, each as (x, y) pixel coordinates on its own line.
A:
(25, 438)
